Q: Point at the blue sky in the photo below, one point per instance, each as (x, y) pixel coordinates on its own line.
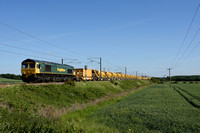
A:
(141, 35)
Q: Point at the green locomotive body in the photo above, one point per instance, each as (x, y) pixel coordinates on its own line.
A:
(43, 71)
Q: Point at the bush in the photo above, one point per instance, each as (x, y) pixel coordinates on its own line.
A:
(69, 82)
(175, 82)
(155, 80)
(191, 82)
(114, 82)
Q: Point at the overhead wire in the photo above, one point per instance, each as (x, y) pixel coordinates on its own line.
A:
(37, 38)
(189, 45)
(115, 67)
(3, 44)
(13, 40)
(189, 53)
(16, 53)
(71, 62)
(16, 41)
(186, 35)
(44, 41)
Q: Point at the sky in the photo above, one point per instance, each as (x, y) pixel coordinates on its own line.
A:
(142, 35)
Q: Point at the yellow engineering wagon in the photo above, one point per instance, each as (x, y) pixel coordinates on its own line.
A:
(103, 75)
(96, 75)
(123, 76)
(82, 74)
(109, 75)
(119, 76)
(114, 76)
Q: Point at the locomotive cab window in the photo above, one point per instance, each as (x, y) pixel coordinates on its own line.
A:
(31, 65)
(24, 66)
(69, 70)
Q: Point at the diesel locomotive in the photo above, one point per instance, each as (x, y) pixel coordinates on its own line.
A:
(43, 71)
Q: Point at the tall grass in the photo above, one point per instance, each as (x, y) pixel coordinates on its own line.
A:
(27, 108)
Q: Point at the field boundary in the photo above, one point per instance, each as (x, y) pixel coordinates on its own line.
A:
(190, 101)
(196, 97)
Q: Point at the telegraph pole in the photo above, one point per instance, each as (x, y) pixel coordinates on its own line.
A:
(100, 63)
(136, 74)
(86, 72)
(100, 68)
(169, 76)
(125, 72)
(62, 61)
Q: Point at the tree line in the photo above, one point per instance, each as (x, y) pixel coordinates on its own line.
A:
(176, 78)
(185, 78)
(10, 76)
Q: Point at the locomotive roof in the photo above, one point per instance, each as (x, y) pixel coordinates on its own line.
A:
(46, 62)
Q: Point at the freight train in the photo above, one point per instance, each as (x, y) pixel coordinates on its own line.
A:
(43, 71)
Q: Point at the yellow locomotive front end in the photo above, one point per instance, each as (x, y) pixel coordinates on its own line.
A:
(29, 69)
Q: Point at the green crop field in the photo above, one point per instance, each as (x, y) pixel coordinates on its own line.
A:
(192, 89)
(154, 109)
(8, 81)
(191, 92)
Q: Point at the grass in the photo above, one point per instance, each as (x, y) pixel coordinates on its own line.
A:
(83, 120)
(9, 81)
(44, 108)
(28, 108)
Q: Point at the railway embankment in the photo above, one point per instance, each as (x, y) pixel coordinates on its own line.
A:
(27, 108)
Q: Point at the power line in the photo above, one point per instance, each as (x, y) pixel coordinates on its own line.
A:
(187, 47)
(117, 67)
(186, 35)
(71, 60)
(6, 51)
(189, 54)
(3, 44)
(21, 42)
(37, 38)
(33, 46)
